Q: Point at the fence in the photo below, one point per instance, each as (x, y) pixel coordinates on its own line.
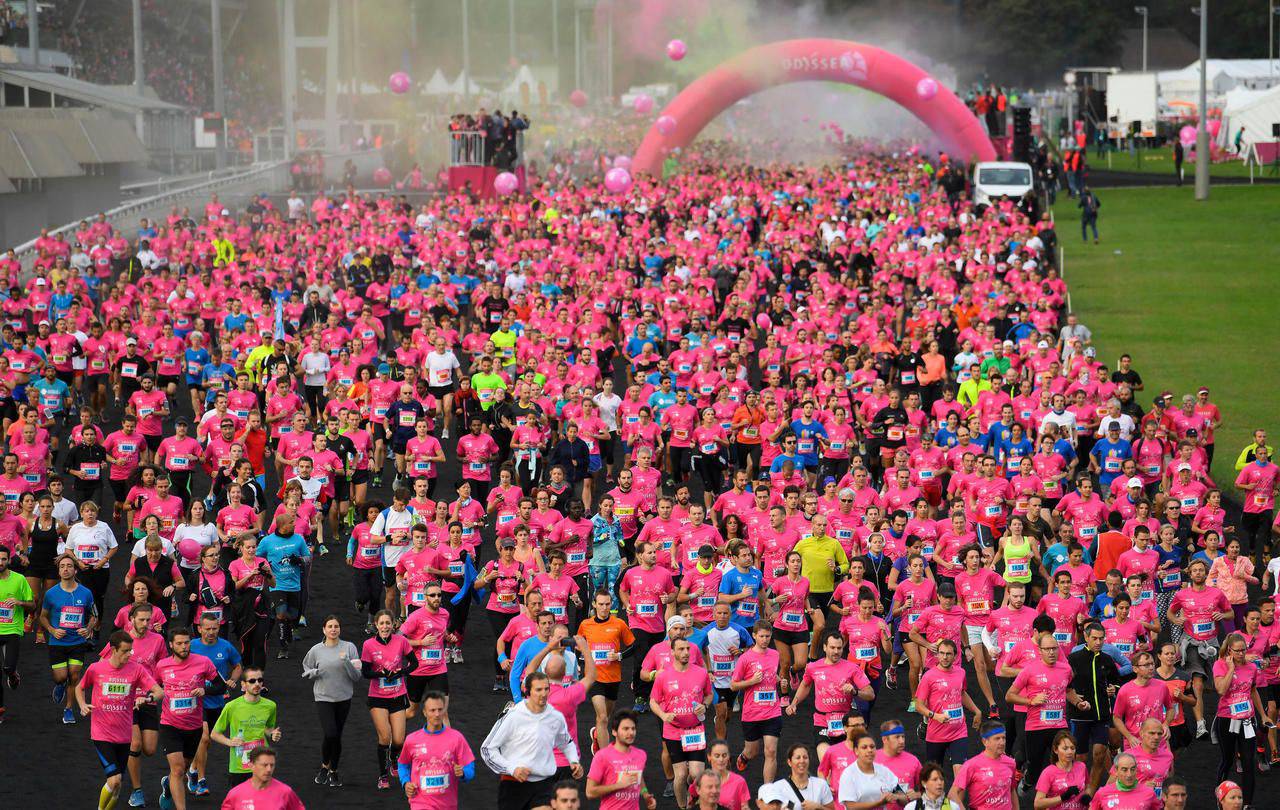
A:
(472, 148)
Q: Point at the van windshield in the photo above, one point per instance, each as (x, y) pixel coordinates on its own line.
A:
(1004, 176)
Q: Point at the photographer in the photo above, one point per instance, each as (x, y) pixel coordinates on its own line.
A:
(288, 555)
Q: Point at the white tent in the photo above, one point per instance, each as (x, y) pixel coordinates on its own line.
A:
(460, 85)
(1255, 110)
(511, 94)
(1224, 75)
(437, 85)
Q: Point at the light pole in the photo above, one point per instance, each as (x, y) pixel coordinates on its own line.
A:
(1272, 11)
(466, 51)
(1142, 10)
(1069, 79)
(1202, 126)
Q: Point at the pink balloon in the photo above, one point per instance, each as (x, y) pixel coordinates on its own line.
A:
(643, 104)
(1187, 135)
(926, 88)
(1214, 126)
(762, 321)
(665, 124)
(506, 183)
(382, 176)
(399, 185)
(622, 162)
(578, 98)
(676, 50)
(400, 82)
(617, 180)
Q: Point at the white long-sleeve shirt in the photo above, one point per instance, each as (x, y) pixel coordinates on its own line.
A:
(523, 738)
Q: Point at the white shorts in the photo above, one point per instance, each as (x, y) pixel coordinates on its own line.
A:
(973, 634)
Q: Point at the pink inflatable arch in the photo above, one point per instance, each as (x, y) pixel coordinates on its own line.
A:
(804, 60)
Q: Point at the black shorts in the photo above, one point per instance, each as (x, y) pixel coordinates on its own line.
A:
(676, 752)
(42, 569)
(1090, 732)
(290, 601)
(120, 488)
(419, 685)
(147, 717)
(439, 391)
(359, 477)
(61, 655)
(790, 637)
(211, 716)
(179, 741)
(97, 380)
(389, 576)
(938, 751)
(163, 380)
(341, 490)
(727, 696)
(391, 705)
(398, 444)
(753, 730)
(113, 756)
(153, 442)
(820, 736)
(513, 795)
(608, 690)
(820, 601)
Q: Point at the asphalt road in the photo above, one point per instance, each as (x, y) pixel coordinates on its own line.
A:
(46, 762)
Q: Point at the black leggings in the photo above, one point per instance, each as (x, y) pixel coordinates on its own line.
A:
(497, 623)
(96, 580)
(458, 613)
(9, 645)
(1229, 745)
(644, 642)
(253, 643)
(1038, 743)
(333, 716)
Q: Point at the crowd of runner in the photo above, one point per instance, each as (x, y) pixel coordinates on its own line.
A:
(739, 445)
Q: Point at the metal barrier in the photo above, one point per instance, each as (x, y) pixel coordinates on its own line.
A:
(27, 248)
(468, 148)
(163, 184)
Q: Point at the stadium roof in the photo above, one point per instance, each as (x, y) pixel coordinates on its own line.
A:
(89, 137)
(96, 95)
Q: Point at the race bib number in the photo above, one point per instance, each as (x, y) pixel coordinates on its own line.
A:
(115, 690)
(577, 556)
(1051, 715)
(180, 462)
(389, 683)
(422, 467)
(835, 724)
(182, 705)
(992, 510)
(433, 782)
(767, 696)
(953, 713)
(1239, 709)
(432, 654)
(1203, 628)
(1019, 568)
(864, 653)
(600, 653)
(647, 609)
(1062, 638)
(456, 569)
(693, 740)
(792, 617)
(706, 601)
(407, 419)
(369, 552)
(978, 605)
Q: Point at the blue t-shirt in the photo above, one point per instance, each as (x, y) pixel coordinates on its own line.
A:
(734, 582)
(1117, 452)
(70, 612)
(1176, 556)
(807, 433)
(193, 361)
(797, 460)
(215, 376)
(53, 393)
(275, 549)
(225, 658)
(1056, 556)
(529, 650)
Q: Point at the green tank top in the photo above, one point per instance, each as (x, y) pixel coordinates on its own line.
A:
(1017, 560)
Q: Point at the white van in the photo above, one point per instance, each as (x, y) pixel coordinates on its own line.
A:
(1001, 179)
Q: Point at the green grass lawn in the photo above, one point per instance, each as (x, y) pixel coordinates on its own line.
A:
(1160, 161)
(1192, 291)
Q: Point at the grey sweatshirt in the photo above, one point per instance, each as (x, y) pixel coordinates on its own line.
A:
(333, 679)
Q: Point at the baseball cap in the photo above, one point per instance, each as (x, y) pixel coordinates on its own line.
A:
(1044, 344)
(1184, 466)
(1133, 482)
(383, 368)
(1204, 389)
(131, 342)
(507, 542)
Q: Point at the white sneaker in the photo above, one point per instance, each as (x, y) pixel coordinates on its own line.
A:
(444, 434)
(1201, 730)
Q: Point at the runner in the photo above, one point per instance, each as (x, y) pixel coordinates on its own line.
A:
(435, 759)
(185, 679)
(246, 724)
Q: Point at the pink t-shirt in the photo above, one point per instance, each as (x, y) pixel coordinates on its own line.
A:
(1236, 703)
(987, 782)
(179, 677)
(275, 796)
(759, 702)
(386, 658)
(792, 612)
(645, 590)
(1134, 703)
(905, 766)
(1038, 679)
(566, 700)
(431, 759)
(1109, 797)
(835, 759)
(677, 693)
(112, 694)
(830, 701)
(555, 594)
(1054, 781)
(976, 593)
(608, 766)
(1198, 608)
(941, 692)
(420, 624)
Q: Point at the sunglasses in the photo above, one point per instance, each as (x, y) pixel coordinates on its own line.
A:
(255, 680)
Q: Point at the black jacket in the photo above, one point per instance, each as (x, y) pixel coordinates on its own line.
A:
(1091, 673)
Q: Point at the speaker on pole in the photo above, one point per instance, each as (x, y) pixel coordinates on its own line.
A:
(1021, 150)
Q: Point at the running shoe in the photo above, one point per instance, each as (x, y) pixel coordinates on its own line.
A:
(669, 791)
(641, 706)
(13, 679)
(740, 763)
(322, 776)
(137, 798)
(891, 678)
(202, 788)
(334, 779)
(457, 655)
(40, 637)
(595, 744)
(498, 685)
(59, 693)
(993, 713)
(444, 434)
(911, 707)
(384, 783)
(1201, 729)
(166, 801)
(282, 654)
(193, 782)
(322, 549)
(68, 717)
